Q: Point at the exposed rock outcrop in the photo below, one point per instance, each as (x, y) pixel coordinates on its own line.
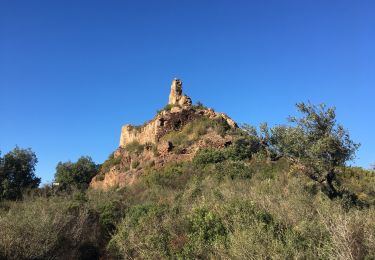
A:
(176, 97)
(152, 144)
(179, 114)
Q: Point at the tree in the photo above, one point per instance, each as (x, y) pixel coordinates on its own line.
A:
(17, 173)
(316, 141)
(78, 174)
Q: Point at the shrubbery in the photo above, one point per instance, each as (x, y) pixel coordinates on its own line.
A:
(208, 156)
(257, 209)
(194, 130)
(76, 174)
(17, 173)
(257, 198)
(41, 228)
(134, 148)
(241, 149)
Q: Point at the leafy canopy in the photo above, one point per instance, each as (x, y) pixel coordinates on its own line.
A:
(315, 140)
(78, 174)
(17, 173)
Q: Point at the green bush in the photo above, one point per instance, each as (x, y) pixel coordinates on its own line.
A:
(233, 169)
(208, 156)
(17, 173)
(173, 176)
(205, 229)
(134, 148)
(243, 148)
(76, 174)
(135, 164)
(194, 130)
(260, 209)
(48, 229)
(142, 233)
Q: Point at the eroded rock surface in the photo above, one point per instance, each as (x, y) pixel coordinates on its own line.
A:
(176, 97)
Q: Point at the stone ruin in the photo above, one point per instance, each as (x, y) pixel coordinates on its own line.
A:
(176, 97)
(180, 112)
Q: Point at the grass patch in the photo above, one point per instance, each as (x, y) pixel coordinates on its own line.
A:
(134, 148)
(194, 130)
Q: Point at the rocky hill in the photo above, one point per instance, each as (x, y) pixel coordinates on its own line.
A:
(176, 133)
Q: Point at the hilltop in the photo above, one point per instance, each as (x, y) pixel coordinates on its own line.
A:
(175, 134)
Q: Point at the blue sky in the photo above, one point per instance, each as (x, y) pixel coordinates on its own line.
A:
(73, 72)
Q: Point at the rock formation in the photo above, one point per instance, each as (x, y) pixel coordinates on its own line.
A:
(152, 139)
(176, 97)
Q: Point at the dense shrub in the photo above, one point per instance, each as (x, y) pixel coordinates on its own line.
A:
(173, 176)
(208, 156)
(233, 169)
(205, 229)
(142, 233)
(76, 174)
(134, 148)
(243, 148)
(194, 130)
(260, 209)
(17, 173)
(55, 228)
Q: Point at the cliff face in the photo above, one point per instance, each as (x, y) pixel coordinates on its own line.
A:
(159, 141)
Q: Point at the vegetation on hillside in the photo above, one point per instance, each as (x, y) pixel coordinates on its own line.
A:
(193, 131)
(76, 175)
(277, 193)
(17, 173)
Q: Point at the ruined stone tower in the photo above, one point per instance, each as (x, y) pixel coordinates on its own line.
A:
(154, 145)
(169, 119)
(176, 97)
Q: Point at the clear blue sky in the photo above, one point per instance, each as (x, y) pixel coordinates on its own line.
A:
(73, 72)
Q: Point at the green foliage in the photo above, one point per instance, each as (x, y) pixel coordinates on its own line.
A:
(207, 156)
(172, 176)
(48, 229)
(316, 141)
(199, 106)
(359, 182)
(134, 148)
(259, 209)
(205, 227)
(109, 207)
(243, 148)
(17, 173)
(136, 239)
(135, 164)
(194, 130)
(76, 174)
(233, 169)
(230, 203)
(110, 162)
(167, 107)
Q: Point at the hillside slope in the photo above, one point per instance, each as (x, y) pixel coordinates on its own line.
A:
(175, 134)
